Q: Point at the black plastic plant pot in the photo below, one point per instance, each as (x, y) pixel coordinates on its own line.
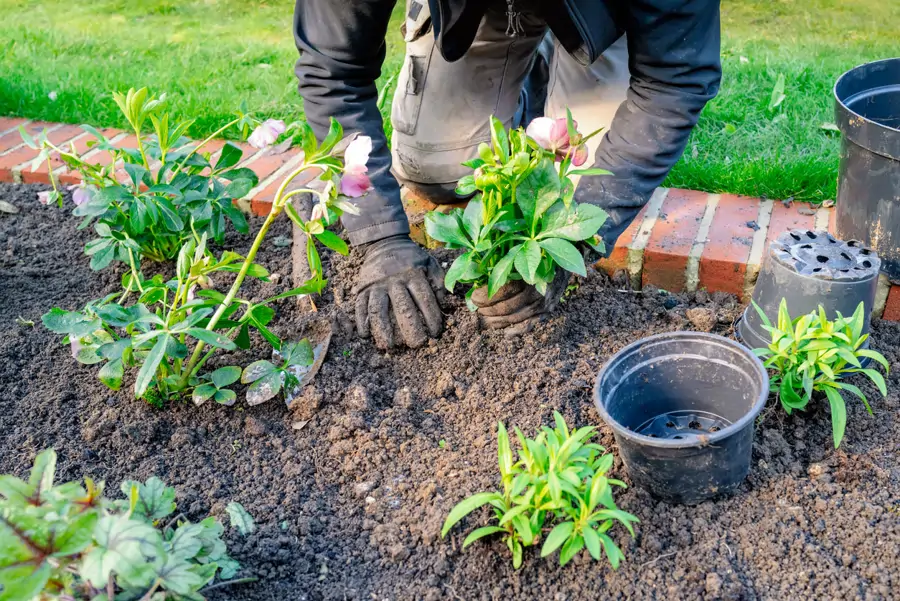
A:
(867, 111)
(682, 407)
(809, 269)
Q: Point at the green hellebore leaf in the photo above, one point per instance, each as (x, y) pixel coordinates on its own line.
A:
(463, 268)
(446, 228)
(203, 393)
(257, 370)
(151, 363)
(112, 373)
(527, 261)
(225, 376)
(225, 397)
(74, 323)
(155, 499)
(586, 221)
(539, 191)
(212, 338)
(240, 518)
(266, 387)
(500, 274)
(122, 545)
(481, 533)
(333, 241)
(565, 254)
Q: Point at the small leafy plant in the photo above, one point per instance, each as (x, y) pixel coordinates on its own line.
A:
(559, 480)
(523, 220)
(267, 379)
(813, 354)
(68, 542)
(147, 202)
(165, 318)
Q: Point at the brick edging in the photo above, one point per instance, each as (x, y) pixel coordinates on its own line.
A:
(682, 240)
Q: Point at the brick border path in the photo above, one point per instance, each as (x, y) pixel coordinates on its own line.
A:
(682, 240)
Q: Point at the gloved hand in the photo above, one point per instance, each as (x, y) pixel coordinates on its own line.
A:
(518, 306)
(399, 278)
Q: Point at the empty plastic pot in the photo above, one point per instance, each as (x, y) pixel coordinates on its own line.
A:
(867, 111)
(682, 407)
(809, 269)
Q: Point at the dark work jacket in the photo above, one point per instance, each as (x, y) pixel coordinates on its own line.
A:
(673, 48)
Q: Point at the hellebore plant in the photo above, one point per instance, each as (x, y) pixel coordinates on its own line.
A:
(68, 542)
(560, 481)
(146, 202)
(523, 220)
(813, 354)
(155, 332)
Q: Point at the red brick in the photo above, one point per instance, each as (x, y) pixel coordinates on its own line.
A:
(11, 122)
(670, 243)
(788, 218)
(268, 164)
(892, 307)
(618, 258)
(14, 138)
(261, 203)
(723, 264)
(24, 154)
(58, 137)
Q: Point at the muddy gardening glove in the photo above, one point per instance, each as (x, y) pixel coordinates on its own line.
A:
(398, 294)
(518, 306)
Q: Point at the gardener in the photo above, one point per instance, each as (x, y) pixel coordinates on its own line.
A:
(485, 52)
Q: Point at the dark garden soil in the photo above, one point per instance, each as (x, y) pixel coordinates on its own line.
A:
(351, 505)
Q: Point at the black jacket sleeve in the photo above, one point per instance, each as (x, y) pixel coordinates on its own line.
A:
(342, 48)
(673, 48)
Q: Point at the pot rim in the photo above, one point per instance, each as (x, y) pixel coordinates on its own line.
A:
(841, 101)
(647, 441)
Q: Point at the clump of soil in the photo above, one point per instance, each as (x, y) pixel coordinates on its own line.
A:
(350, 487)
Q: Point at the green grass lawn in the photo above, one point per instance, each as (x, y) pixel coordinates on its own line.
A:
(209, 55)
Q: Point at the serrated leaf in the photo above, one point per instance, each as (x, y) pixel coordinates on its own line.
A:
(240, 518)
(121, 546)
(527, 261)
(446, 228)
(565, 254)
(155, 500)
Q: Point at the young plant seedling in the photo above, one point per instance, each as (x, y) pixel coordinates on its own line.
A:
(68, 542)
(814, 354)
(557, 491)
(216, 388)
(147, 202)
(523, 221)
(267, 379)
(155, 333)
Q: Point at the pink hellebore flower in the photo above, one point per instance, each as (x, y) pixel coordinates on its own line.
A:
(266, 134)
(553, 135)
(355, 182)
(81, 194)
(45, 197)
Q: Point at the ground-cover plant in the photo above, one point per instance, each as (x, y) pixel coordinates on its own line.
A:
(557, 491)
(814, 354)
(153, 322)
(69, 542)
(523, 221)
(146, 202)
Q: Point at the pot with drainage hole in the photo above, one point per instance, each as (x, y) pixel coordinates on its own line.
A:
(809, 269)
(682, 408)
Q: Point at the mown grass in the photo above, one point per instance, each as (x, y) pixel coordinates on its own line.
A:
(209, 55)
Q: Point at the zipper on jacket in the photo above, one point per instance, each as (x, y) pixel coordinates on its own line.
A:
(514, 27)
